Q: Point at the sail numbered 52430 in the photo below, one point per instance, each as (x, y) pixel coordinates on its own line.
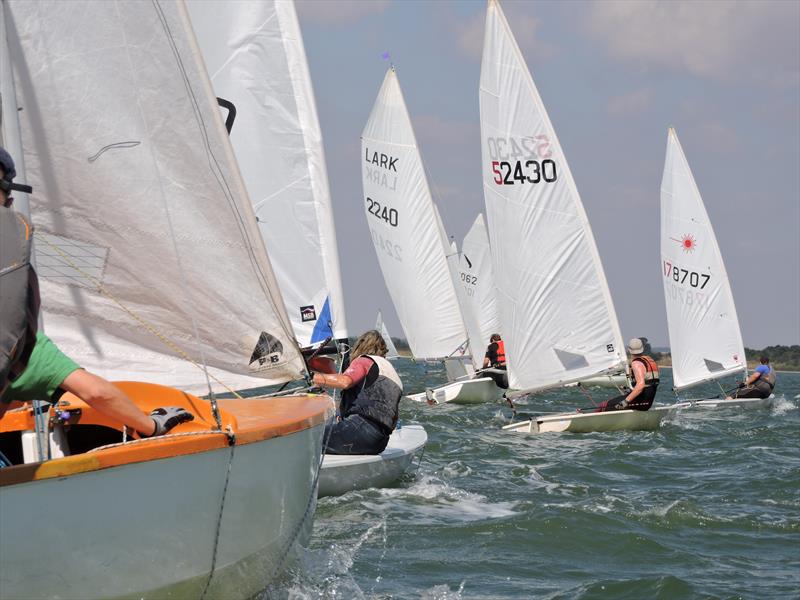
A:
(555, 308)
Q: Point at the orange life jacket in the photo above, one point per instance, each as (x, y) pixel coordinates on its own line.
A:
(650, 370)
(501, 353)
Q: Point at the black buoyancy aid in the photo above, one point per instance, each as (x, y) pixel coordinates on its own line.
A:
(19, 295)
(377, 397)
(501, 354)
(651, 377)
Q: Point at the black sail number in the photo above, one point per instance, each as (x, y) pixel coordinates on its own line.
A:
(384, 213)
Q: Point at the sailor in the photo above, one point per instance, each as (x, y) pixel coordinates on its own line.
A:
(494, 362)
(370, 400)
(36, 369)
(760, 384)
(644, 376)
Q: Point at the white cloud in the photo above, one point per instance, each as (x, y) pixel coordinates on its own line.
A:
(338, 12)
(469, 33)
(745, 40)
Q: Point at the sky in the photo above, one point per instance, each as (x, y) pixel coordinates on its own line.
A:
(613, 75)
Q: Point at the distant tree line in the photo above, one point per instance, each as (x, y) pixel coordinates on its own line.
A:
(782, 358)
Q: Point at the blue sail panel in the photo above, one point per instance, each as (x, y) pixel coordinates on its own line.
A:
(322, 328)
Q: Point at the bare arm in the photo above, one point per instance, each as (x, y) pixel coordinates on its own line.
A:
(639, 373)
(340, 382)
(109, 400)
(753, 378)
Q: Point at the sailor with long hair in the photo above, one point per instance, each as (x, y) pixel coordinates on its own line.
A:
(370, 399)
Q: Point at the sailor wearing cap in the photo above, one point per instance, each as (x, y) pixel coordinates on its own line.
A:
(644, 377)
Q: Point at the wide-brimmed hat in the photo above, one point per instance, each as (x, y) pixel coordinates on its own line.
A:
(635, 346)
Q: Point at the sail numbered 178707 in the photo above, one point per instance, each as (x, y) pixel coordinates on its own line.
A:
(705, 340)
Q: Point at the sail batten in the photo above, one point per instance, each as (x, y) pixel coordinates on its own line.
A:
(705, 339)
(151, 257)
(552, 296)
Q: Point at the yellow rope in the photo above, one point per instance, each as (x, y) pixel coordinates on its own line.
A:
(167, 342)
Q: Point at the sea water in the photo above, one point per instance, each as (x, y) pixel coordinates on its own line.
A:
(708, 506)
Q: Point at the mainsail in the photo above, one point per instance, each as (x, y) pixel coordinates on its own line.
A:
(380, 327)
(404, 228)
(555, 308)
(255, 55)
(477, 280)
(148, 253)
(705, 340)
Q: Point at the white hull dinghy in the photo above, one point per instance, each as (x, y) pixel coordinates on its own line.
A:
(741, 403)
(344, 473)
(470, 391)
(618, 420)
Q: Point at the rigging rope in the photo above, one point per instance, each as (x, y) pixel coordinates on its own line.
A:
(150, 328)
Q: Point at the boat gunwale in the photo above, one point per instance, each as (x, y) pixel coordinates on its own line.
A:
(245, 421)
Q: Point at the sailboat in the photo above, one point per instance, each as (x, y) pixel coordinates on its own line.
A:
(255, 55)
(380, 327)
(411, 245)
(553, 300)
(151, 268)
(705, 339)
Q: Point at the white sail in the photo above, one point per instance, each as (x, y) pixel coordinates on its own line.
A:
(555, 309)
(380, 327)
(148, 252)
(477, 279)
(255, 55)
(402, 222)
(705, 340)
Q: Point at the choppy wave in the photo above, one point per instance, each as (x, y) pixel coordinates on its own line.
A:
(705, 507)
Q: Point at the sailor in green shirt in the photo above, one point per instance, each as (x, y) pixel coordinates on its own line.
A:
(47, 369)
